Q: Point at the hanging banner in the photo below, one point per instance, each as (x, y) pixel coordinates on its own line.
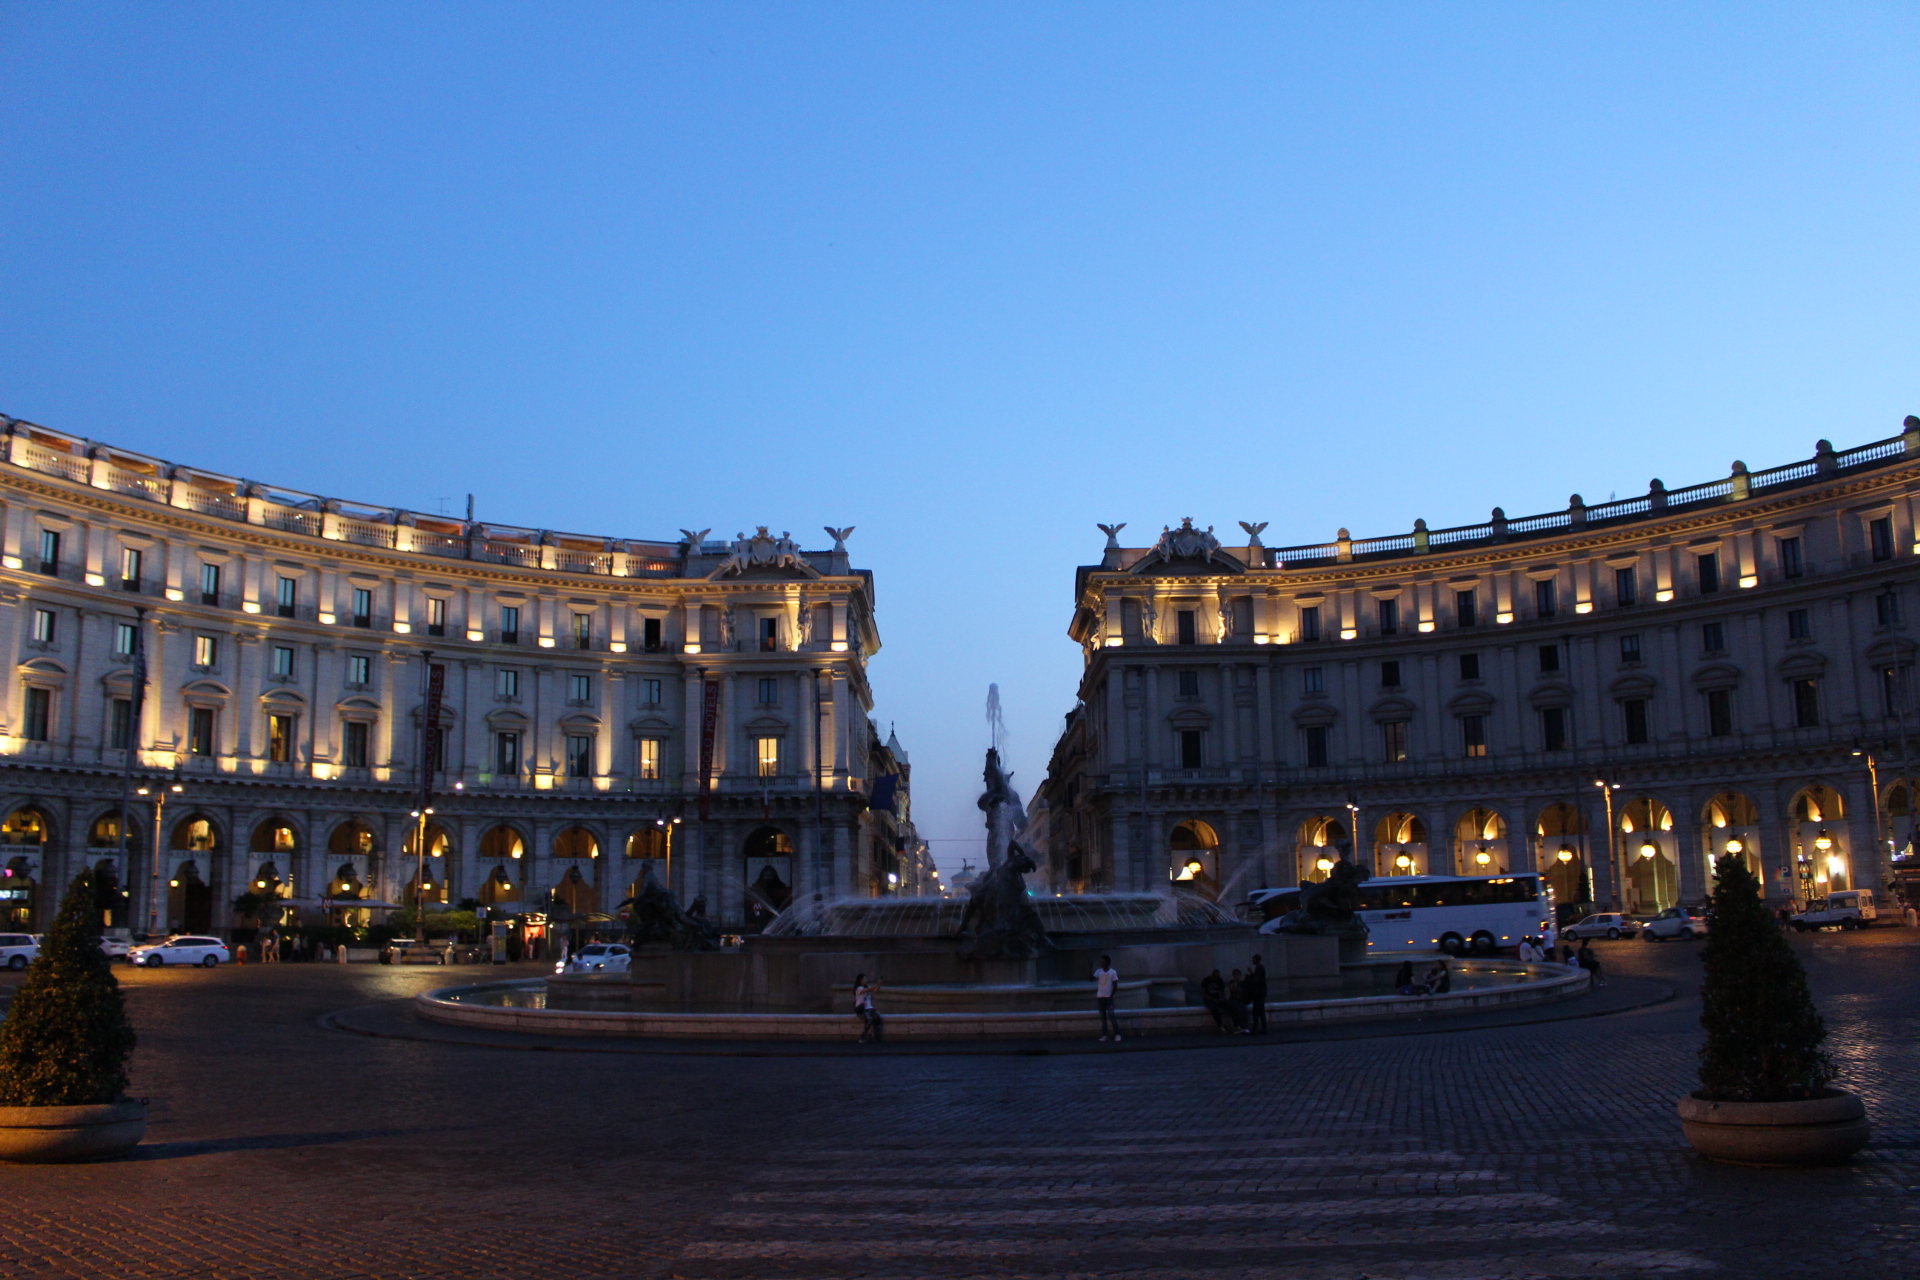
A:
(709, 718)
(430, 761)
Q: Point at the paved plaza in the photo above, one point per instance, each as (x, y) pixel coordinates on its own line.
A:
(283, 1146)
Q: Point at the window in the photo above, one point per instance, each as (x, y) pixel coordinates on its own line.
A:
(1316, 746)
(650, 758)
(1469, 666)
(359, 669)
(1635, 712)
(579, 755)
(583, 631)
(1390, 675)
(209, 584)
(49, 551)
(280, 739)
(767, 753)
(206, 651)
(120, 723)
(1393, 741)
(200, 731)
(43, 625)
(1545, 597)
(1630, 648)
(1893, 687)
(129, 569)
(509, 624)
(1708, 567)
(287, 596)
(1886, 609)
(362, 607)
(1310, 623)
(1790, 566)
(1719, 712)
(1799, 624)
(1806, 703)
(650, 635)
(436, 616)
(1465, 609)
(356, 744)
(579, 688)
(1713, 637)
(1553, 728)
(1189, 684)
(1187, 630)
(506, 754)
(650, 693)
(769, 691)
(1389, 617)
(283, 661)
(39, 714)
(1626, 586)
(1312, 680)
(1473, 735)
(1880, 535)
(1549, 657)
(769, 633)
(1191, 753)
(506, 683)
(126, 638)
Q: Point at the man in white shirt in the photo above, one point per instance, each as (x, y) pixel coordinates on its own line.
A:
(1550, 939)
(1105, 983)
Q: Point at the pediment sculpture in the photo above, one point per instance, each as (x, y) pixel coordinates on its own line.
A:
(1186, 545)
(764, 551)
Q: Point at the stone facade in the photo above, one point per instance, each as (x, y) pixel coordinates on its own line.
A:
(1732, 661)
(287, 640)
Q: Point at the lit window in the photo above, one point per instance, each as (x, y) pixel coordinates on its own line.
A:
(200, 731)
(205, 650)
(436, 616)
(1473, 734)
(209, 584)
(126, 637)
(130, 568)
(1393, 738)
(280, 738)
(49, 551)
(768, 750)
(43, 625)
(359, 669)
(650, 758)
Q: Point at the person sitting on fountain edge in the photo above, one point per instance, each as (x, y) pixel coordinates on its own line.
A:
(1106, 983)
(871, 1023)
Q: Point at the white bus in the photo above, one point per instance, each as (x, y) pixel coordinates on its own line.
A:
(1454, 914)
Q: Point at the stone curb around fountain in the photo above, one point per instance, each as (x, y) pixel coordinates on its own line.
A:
(1547, 984)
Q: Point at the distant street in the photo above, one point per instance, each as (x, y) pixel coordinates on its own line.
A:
(284, 1148)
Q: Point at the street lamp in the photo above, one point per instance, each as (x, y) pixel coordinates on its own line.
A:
(669, 824)
(1736, 846)
(420, 873)
(1614, 870)
(1648, 849)
(159, 793)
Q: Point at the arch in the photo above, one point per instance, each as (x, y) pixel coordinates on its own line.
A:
(1563, 852)
(275, 835)
(648, 842)
(27, 827)
(1730, 824)
(1322, 839)
(576, 842)
(1193, 860)
(1400, 845)
(769, 842)
(576, 892)
(189, 899)
(1653, 861)
(346, 882)
(435, 889)
(1480, 843)
(113, 902)
(103, 833)
(1817, 803)
(195, 833)
(1817, 834)
(501, 843)
(439, 840)
(18, 892)
(268, 882)
(499, 886)
(353, 839)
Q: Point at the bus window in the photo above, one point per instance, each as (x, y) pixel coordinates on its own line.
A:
(1373, 897)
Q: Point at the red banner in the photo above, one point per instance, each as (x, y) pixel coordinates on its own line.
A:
(709, 718)
(430, 761)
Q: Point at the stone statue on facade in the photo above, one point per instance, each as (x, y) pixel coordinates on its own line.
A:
(763, 551)
(1330, 907)
(839, 537)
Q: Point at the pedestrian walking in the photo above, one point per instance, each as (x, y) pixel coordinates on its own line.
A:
(871, 1023)
(1591, 963)
(1106, 982)
(1257, 998)
(1213, 994)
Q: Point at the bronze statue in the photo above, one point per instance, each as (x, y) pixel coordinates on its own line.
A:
(655, 916)
(1329, 907)
(999, 918)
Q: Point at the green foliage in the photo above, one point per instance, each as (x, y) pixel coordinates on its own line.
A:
(1763, 1031)
(66, 1040)
(440, 924)
(249, 905)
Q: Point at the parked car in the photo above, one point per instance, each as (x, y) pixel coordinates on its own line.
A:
(116, 948)
(181, 949)
(599, 957)
(1675, 922)
(18, 950)
(1606, 924)
(1847, 909)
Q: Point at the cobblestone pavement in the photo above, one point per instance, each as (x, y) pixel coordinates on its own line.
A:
(282, 1148)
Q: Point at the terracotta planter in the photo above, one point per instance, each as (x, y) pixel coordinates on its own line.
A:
(65, 1135)
(1776, 1134)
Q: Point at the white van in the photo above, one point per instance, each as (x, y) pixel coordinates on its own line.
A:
(1846, 909)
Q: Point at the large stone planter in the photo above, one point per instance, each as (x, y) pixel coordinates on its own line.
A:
(64, 1135)
(1776, 1134)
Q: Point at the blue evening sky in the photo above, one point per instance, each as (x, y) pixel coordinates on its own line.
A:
(968, 277)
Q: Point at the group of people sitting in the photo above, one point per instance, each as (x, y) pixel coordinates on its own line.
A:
(1238, 1004)
(1436, 981)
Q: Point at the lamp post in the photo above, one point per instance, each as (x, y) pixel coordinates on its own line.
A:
(1882, 840)
(420, 874)
(159, 793)
(1615, 871)
(669, 824)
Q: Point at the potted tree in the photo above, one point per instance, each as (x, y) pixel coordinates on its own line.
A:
(1766, 1095)
(64, 1048)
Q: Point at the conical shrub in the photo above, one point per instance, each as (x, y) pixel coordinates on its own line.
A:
(1763, 1031)
(66, 1040)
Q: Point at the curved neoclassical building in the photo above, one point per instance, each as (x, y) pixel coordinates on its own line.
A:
(598, 696)
(1721, 668)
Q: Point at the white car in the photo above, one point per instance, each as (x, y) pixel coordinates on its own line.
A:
(599, 957)
(116, 948)
(1674, 922)
(1607, 924)
(18, 950)
(1844, 909)
(180, 949)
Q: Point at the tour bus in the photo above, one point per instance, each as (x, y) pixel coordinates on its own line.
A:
(1455, 914)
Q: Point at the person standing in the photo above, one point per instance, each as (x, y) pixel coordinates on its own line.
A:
(1237, 1002)
(1549, 940)
(1213, 994)
(1106, 983)
(871, 1023)
(1257, 998)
